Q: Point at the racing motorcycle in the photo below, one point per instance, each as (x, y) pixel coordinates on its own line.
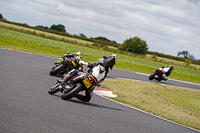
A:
(76, 84)
(157, 75)
(63, 66)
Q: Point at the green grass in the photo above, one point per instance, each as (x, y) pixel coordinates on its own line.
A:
(45, 34)
(171, 61)
(178, 104)
(16, 40)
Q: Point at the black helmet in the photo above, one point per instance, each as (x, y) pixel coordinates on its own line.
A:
(171, 67)
(101, 61)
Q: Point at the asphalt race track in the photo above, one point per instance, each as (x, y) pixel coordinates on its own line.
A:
(26, 106)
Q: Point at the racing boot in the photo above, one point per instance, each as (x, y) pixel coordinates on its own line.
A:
(164, 77)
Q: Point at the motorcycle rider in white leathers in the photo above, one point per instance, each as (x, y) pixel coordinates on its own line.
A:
(166, 71)
(97, 70)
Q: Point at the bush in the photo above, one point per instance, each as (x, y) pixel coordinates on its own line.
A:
(135, 45)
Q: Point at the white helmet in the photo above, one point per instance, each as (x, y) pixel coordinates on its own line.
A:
(79, 53)
(114, 55)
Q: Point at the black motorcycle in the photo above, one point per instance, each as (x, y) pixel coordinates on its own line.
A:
(77, 83)
(63, 66)
(157, 75)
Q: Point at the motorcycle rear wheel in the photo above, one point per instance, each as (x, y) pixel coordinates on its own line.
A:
(69, 94)
(57, 69)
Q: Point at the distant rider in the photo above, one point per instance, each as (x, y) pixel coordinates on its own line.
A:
(166, 71)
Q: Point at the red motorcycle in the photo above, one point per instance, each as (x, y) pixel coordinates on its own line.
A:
(157, 75)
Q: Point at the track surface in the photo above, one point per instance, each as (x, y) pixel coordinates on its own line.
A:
(26, 107)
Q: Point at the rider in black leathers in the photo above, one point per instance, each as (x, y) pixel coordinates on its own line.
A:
(110, 62)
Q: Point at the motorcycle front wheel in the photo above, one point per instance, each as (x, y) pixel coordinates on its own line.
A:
(54, 89)
(57, 69)
(152, 76)
(72, 92)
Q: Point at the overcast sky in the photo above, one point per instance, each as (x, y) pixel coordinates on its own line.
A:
(168, 26)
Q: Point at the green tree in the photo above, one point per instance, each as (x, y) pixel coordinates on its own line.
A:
(44, 27)
(102, 38)
(82, 35)
(1, 16)
(185, 54)
(135, 45)
(58, 27)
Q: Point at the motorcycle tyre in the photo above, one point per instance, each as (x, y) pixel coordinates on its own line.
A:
(72, 92)
(152, 76)
(56, 70)
(53, 91)
(159, 80)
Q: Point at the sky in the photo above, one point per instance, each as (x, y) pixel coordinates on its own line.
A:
(167, 26)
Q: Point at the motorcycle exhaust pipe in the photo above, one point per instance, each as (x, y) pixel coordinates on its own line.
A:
(78, 78)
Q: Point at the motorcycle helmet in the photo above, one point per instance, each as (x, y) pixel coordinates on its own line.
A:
(101, 61)
(79, 53)
(171, 67)
(114, 55)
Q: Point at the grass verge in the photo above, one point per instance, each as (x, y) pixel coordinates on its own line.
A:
(174, 103)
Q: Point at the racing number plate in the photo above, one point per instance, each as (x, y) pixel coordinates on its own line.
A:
(87, 83)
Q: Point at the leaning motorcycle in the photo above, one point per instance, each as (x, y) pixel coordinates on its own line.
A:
(62, 66)
(76, 84)
(157, 75)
